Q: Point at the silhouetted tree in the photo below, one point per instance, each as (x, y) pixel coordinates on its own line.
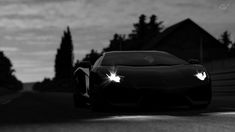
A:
(154, 27)
(7, 78)
(225, 39)
(92, 56)
(232, 50)
(140, 28)
(142, 33)
(6, 66)
(63, 80)
(45, 85)
(117, 43)
(64, 57)
(137, 37)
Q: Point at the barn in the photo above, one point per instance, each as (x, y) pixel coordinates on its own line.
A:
(188, 40)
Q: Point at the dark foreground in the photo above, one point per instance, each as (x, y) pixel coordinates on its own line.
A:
(55, 112)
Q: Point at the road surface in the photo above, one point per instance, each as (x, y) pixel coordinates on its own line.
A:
(54, 112)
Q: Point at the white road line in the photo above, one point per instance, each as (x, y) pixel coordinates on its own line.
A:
(138, 118)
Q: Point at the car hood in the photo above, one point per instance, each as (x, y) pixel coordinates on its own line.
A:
(150, 76)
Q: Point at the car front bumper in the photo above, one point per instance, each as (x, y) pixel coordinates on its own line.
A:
(117, 94)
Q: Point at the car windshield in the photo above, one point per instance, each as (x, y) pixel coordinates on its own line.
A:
(141, 59)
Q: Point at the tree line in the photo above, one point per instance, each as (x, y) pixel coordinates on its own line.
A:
(226, 39)
(143, 32)
(8, 79)
(64, 66)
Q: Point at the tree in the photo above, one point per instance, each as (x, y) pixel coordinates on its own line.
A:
(142, 33)
(5, 65)
(45, 85)
(232, 50)
(137, 37)
(225, 39)
(64, 57)
(7, 77)
(92, 56)
(117, 43)
(140, 28)
(154, 27)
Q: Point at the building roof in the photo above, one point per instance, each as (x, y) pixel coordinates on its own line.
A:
(170, 30)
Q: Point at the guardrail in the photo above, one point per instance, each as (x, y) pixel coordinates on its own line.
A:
(223, 82)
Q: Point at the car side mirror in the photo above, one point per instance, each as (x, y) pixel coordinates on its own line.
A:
(84, 66)
(194, 61)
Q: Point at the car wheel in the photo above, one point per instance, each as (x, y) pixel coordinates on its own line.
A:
(97, 102)
(199, 107)
(206, 96)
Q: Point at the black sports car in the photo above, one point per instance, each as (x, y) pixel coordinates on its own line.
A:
(142, 78)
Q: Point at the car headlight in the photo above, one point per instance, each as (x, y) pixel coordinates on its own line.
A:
(201, 75)
(113, 77)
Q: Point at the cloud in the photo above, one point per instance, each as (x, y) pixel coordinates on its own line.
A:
(32, 70)
(35, 74)
(223, 5)
(80, 14)
(5, 2)
(40, 69)
(82, 51)
(87, 13)
(38, 16)
(29, 36)
(19, 9)
(16, 24)
(24, 63)
(193, 4)
(34, 77)
(9, 49)
(42, 53)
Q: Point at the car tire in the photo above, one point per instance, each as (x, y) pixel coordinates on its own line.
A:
(199, 107)
(207, 97)
(97, 102)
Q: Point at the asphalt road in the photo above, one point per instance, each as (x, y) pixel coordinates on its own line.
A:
(54, 112)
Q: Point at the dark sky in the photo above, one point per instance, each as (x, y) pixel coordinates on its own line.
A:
(30, 30)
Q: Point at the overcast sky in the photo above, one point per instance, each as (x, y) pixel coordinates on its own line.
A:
(31, 30)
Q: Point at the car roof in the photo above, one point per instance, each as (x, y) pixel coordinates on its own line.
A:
(142, 51)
